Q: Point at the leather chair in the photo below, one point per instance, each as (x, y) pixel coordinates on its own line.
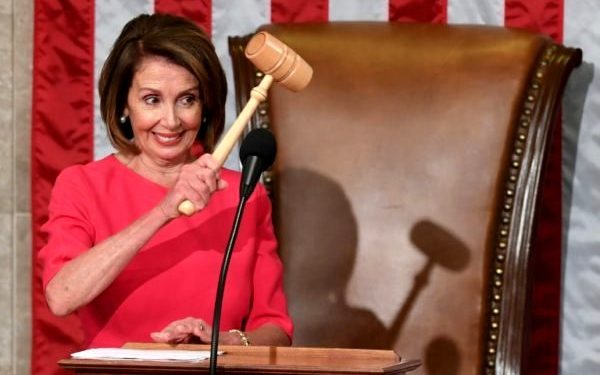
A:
(406, 184)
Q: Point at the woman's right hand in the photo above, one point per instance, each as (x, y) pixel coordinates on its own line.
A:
(197, 182)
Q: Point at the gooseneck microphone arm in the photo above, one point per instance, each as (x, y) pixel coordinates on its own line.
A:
(257, 153)
(214, 342)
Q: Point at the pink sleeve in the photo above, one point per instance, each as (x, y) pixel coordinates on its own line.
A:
(269, 304)
(68, 229)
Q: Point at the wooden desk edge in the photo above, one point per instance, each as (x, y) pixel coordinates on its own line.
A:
(384, 361)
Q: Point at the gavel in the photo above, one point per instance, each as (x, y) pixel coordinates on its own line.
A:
(279, 63)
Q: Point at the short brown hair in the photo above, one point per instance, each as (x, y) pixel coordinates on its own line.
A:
(181, 42)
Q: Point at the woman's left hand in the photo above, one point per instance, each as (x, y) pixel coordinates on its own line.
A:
(193, 331)
(188, 330)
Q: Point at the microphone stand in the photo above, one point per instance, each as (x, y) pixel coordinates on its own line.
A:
(214, 342)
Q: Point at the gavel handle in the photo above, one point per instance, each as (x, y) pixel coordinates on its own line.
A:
(257, 96)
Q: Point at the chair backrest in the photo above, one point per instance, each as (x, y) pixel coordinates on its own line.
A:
(406, 184)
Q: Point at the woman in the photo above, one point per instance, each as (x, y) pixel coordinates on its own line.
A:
(119, 252)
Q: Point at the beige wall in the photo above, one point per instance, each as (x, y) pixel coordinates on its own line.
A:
(15, 244)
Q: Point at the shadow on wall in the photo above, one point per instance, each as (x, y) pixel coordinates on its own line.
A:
(574, 100)
(318, 245)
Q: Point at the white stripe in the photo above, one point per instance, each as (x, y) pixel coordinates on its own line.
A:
(358, 10)
(231, 18)
(486, 12)
(111, 16)
(581, 167)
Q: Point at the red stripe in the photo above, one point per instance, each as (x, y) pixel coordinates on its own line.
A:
(62, 135)
(199, 11)
(546, 17)
(429, 11)
(299, 11)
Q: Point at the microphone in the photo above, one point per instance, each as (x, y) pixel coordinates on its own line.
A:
(257, 154)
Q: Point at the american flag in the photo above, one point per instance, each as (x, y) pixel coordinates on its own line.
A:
(72, 39)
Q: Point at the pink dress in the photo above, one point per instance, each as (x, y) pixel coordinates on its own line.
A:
(175, 274)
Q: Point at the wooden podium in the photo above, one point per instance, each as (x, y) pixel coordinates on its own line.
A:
(255, 360)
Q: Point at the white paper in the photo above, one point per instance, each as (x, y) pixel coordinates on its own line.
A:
(143, 354)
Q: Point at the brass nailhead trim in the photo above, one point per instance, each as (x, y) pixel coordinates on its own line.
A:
(505, 219)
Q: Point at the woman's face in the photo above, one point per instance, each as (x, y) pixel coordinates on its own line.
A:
(165, 110)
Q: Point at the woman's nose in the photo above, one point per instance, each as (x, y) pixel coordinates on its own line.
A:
(170, 117)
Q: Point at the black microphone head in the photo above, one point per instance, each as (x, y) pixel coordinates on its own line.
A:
(259, 142)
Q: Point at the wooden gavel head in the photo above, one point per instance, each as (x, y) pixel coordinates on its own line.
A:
(271, 56)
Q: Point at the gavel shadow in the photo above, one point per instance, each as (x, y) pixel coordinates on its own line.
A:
(444, 250)
(317, 230)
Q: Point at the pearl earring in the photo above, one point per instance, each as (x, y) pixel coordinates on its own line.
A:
(123, 119)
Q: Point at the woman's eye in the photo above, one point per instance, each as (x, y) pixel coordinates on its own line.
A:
(188, 100)
(151, 99)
